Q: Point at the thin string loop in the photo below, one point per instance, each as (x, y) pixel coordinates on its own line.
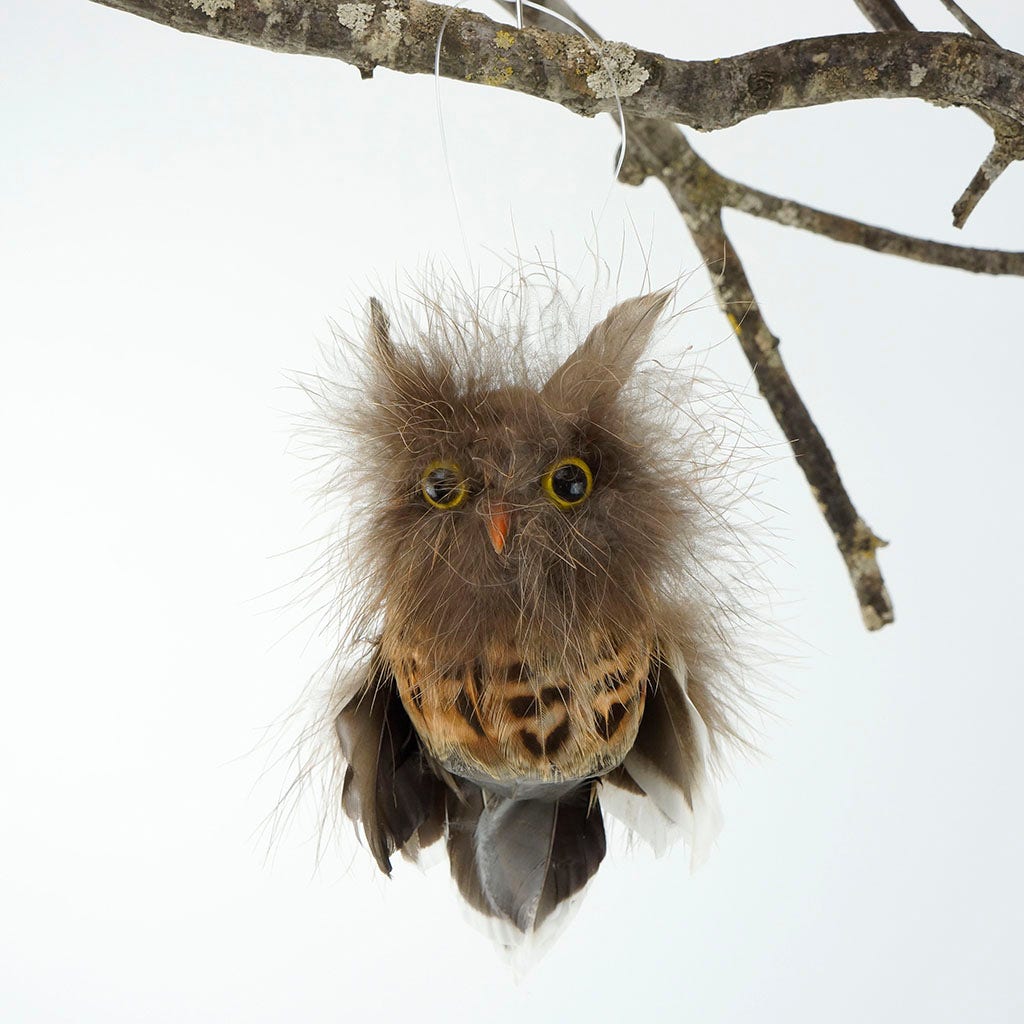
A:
(609, 71)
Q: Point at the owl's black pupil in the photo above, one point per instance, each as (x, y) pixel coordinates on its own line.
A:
(569, 483)
(440, 485)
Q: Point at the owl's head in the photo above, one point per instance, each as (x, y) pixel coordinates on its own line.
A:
(510, 500)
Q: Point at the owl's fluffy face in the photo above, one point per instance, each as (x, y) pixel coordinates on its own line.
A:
(515, 556)
(499, 447)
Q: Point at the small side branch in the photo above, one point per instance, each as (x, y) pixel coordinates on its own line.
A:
(867, 236)
(661, 151)
(856, 541)
(886, 16)
(967, 21)
(1003, 153)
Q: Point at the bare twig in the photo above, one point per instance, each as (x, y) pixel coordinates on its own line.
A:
(1002, 155)
(1009, 144)
(967, 21)
(856, 541)
(854, 232)
(886, 16)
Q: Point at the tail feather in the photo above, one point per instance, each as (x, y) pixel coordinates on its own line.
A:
(464, 804)
(578, 846)
(519, 859)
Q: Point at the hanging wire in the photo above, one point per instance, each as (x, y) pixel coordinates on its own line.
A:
(519, 25)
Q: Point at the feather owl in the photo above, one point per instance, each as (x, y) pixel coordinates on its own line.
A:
(531, 578)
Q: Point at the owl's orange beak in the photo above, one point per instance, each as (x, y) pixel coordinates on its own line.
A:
(498, 519)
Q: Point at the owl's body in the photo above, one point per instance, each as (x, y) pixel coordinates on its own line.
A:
(542, 639)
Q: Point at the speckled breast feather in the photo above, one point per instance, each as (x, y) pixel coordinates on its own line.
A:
(498, 719)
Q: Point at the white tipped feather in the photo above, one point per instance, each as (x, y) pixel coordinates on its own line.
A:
(668, 811)
(524, 950)
(642, 817)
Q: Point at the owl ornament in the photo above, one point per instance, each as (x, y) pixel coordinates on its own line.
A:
(531, 575)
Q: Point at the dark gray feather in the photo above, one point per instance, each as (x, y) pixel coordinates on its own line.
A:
(389, 786)
(666, 741)
(518, 860)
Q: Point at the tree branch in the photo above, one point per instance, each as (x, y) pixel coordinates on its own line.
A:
(402, 35)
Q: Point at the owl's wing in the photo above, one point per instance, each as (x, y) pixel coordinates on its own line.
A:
(664, 789)
(389, 788)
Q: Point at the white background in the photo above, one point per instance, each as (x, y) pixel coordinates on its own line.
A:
(179, 219)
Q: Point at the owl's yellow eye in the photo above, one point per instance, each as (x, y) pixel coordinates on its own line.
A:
(443, 485)
(568, 482)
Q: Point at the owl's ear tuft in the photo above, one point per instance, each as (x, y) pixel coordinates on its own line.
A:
(391, 367)
(598, 369)
(380, 335)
